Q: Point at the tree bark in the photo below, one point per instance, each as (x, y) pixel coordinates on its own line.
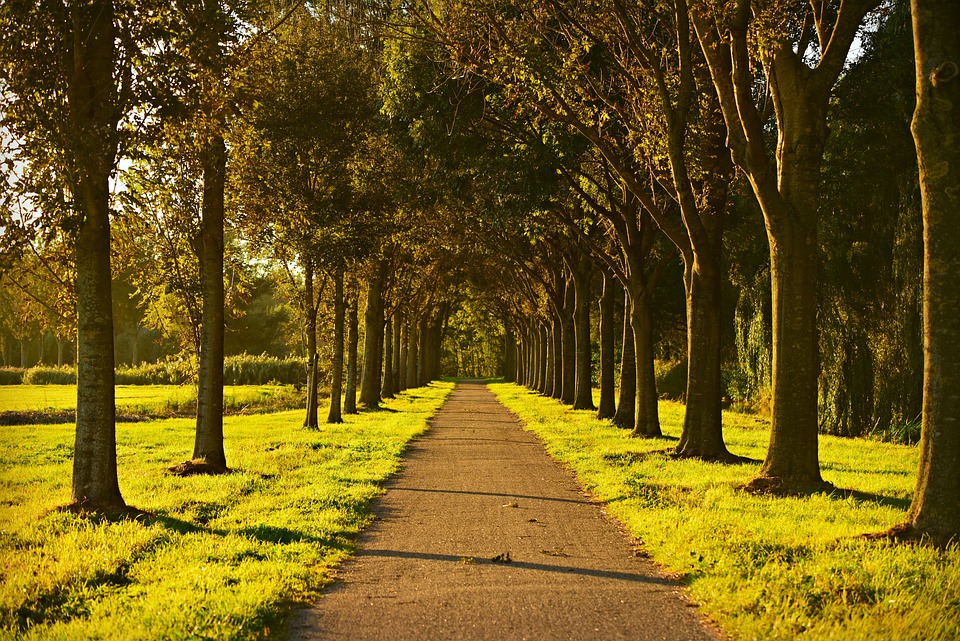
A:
(583, 397)
(310, 318)
(569, 334)
(404, 355)
(208, 444)
(386, 391)
(549, 373)
(608, 404)
(509, 355)
(90, 98)
(336, 385)
(641, 318)
(423, 351)
(373, 322)
(353, 340)
(702, 435)
(397, 382)
(626, 415)
(935, 510)
(412, 356)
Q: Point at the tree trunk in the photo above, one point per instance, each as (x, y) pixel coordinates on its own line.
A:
(521, 361)
(569, 360)
(310, 318)
(608, 404)
(402, 377)
(336, 385)
(93, 119)
(641, 318)
(59, 352)
(397, 383)
(208, 445)
(24, 359)
(935, 510)
(373, 321)
(583, 398)
(626, 415)
(386, 391)
(353, 340)
(422, 351)
(555, 385)
(550, 370)
(412, 356)
(509, 355)
(702, 435)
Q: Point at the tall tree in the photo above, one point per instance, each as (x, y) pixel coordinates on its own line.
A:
(801, 53)
(67, 72)
(935, 511)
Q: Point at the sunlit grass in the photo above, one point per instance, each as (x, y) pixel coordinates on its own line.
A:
(764, 567)
(225, 557)
(147, 400)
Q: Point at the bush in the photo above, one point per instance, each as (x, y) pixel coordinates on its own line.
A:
(168, 372)
(671, 379)
(41, 375)
(11, 375)
(243, 369)
(246, 369)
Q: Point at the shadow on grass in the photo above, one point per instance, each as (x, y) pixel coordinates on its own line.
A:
(870, 497)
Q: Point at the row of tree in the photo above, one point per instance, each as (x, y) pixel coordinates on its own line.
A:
(443, 163)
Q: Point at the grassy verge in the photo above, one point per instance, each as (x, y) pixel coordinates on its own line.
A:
(54, 403)
(225, 557)
(762, 567)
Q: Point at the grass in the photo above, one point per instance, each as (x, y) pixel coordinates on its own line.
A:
(225, 557)
(764, 567)
(149, 400)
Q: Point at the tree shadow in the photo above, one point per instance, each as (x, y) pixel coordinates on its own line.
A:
(870, 497)
(506, 560)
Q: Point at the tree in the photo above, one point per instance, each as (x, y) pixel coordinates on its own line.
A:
(67, 71)
(801, 55)
(934, 511)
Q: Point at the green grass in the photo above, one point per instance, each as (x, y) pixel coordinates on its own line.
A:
(149, 400)
(225, 557)
(764, 567)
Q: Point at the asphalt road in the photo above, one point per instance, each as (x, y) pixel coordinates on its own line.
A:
(483, 536)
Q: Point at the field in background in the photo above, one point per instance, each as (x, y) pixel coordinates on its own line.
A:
(149, 400)
(764, 567)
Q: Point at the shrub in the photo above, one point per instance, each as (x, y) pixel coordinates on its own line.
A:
(41, 375)
(246, 369)
(168, 372)
(243, 369)
(11, 375)
(671, 379)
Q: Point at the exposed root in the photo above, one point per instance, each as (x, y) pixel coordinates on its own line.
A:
(777, 486)
(198, 466)
(908, 534)
(724, 458)
(100, 513)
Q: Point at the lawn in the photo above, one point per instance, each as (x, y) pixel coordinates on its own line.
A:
(764, 567)
(224, 557)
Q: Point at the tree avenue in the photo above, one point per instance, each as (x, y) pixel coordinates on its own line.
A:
(650, 200)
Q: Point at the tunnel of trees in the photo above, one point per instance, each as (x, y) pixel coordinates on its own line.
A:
(653, 199)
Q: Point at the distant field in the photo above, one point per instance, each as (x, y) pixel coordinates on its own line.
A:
(141, 399)
(224, 557)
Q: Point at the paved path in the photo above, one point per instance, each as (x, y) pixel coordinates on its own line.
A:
(474, 487)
